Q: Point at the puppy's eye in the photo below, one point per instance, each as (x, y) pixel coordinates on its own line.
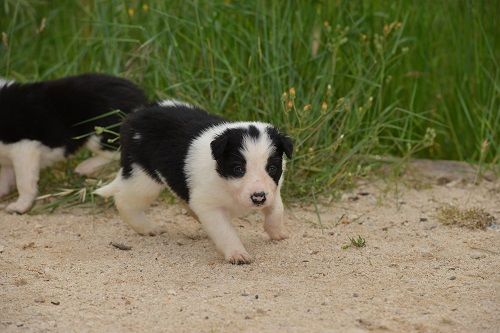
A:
(238, 170)
(272, 169)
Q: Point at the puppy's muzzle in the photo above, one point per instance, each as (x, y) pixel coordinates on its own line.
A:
(258, 198)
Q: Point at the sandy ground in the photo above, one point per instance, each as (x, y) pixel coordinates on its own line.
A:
(59, 272)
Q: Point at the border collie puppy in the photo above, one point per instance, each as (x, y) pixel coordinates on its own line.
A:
(220, 169)
(40, 124)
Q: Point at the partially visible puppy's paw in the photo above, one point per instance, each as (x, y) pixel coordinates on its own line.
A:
(239, 258)
(157, 231)
(83, 170)
(18, 207)
(152, 230)
(91, 165)
(276, 234)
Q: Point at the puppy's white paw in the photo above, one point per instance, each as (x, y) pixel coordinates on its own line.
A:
(18, 207)
(239, 258)
(86, 168)
(277, 234)
(152, 230)
(157, 231)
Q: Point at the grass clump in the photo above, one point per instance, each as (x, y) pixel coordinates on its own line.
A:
(358, 242)
(471, 218)
(355, 242)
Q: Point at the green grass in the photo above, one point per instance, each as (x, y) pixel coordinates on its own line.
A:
(349, 80)
(355, 242)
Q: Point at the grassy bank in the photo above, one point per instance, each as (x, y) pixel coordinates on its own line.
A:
(348, 80)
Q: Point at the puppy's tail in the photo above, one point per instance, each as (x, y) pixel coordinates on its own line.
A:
(110, 189)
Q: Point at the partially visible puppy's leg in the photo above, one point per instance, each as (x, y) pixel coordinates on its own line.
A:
(133, 196)
(25, 157)
(7, 179)
(91, 165)
(217, 224)
(273, 223)
(101, 158)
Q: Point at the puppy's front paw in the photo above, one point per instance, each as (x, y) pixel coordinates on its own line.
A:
(18, 207)
(277, 234)
(239, 258)
(157, 231)
(153, 230)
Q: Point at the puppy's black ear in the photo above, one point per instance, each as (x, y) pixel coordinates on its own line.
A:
(281, 141)
(218, 145)
(287, 145)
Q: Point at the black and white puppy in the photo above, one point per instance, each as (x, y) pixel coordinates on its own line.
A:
(221, 169)
(39, 124)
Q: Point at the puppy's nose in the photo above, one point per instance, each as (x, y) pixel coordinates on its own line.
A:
(258, 198)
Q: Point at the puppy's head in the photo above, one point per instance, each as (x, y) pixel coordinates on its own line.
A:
(250, 158)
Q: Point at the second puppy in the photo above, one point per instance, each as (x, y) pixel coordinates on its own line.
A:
(221, 169)
(44, 122)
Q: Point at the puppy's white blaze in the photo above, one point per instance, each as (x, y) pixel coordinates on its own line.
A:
(174, 102)
(257, 150)
(137, 136)
(256, 179)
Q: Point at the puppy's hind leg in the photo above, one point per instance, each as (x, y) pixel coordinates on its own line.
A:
(7, 179)
(91, 165)
(134, 195)
(26, 162)
(101, 158)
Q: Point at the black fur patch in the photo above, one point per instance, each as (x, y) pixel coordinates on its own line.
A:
(157, 138)
(283, 145)
(274, 166)
(282, 142)
(254, 132)
(226, 151)
(48, 111)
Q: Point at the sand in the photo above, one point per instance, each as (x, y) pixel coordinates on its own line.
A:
(59, 272)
